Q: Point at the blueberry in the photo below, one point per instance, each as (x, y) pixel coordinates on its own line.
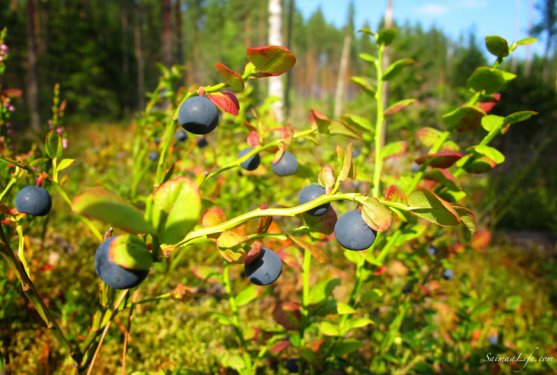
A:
(356, 152)
(286, 166)
(33, 200)
(292, 365)
(432, 251)
(112, 274)
(265, 269)
(157, 140)
(202, 143)
(415, 167)
(352, 232)
(252, 163)
(154, 155)
(181, 135)
(198, 115)
(493, 339)
(309, 193)
(448, 274)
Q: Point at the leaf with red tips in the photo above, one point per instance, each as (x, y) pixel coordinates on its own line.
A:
(313, 250)
(326, 177)
(287, 134)
(398, 106)
(225, 100)
(442, 159)
(273, 60)
(394, 149)
(279, 346)
(213, 216)
(319, 121)
(431, 207)
(487, 103)
(443, 177)
(428, 136)
(479, 165)
(468, 218)
(464, 118)
(394, 194)
(376, 215)
(232, 78)
(12, 93)
(288, 315)
(480, 240)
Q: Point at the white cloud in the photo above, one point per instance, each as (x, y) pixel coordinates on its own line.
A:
(472, 3)
(432, 9)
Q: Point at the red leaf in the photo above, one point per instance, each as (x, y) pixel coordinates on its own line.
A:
(274, 60)
(288, 315)
(379, 271)
(253, 252)
(480, 240)
(213, 216)
(253, 139)
(232, 78)
(319, 120)
(279, 346)
(442, 159)
(479, 165)
(488, 103)
(227, 101)
(13, 93)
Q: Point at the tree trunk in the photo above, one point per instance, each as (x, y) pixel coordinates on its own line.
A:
(341, 80)
(178, 32)
(276, 87)
(124, 26)
(138, 50)
(528, 62)
(291, 7)
(166, 33)
(33, 77)
(386, 58)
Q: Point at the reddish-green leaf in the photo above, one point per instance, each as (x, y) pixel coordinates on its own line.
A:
(231, 78)
(464, 118)
(467, 218)
(443, 159)
(487, 103)
(326, 176)
(213, 216)
(395, 68)
(443, 177)
(489, 80)
(319, 121)
(479, 165)
(394, 194)
(312, 249)
(344, 129)
(490, 152)
(225, 100)
(274, 60)
(345, 162)
(130, 252)
(429, 206)
(428, 136)
(394, 149)
(376, 215)
(100, 204)
(398, 106)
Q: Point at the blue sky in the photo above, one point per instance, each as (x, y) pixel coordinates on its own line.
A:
(507, 18)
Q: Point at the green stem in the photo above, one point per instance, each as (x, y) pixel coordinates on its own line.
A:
(379, 123)
(7, 188)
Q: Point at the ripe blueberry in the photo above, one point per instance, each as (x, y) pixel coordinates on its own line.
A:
(448, 274)
(112, 274)
(198, 115)
(252, 163)
(356, 152)
(432, 251)
(352, 232)
(202, 143)
(493, 339)
(153, 155)
(292, 365)
(309, 193)
(286, 166)
(33, 200)
(157, 140)
(181, 135)
(265, 269)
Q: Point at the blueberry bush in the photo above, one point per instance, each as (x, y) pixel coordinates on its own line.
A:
(213, 239)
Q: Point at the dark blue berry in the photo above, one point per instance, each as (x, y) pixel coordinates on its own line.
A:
(356, 152)
(112, 274)
(292, 365)
(493, 340)
(154, 155)
(432, 251)
(352, 232)
(157, 140)
(265, 269)
(198, 115)
(202, 143)
(286, 166)
(252, 163)
(33, 200)
(311, 192)
(448, 274)
(181, 135)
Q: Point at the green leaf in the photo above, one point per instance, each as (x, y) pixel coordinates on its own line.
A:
(396, 67)
(233, 79)
(386, 36)
(429, 206)
(53, 144)
(376, 215)
(497, 46)
(364, 85)
(344, 309)
(443, 177)
(64, 163)
(177, 208)
(519, 116)
(367, 57)
(345, 161)
(247, 295)
(344, 129)
(394, 149)
(322, 290)
(490, 152)
(130, 252)
(512, 303)
(328, 328)
(222, 319)
(274, 60)
(428, 136)
(398, 106)
(467, 218)
(100, 204)
(346, 346)
(464, 118)
(359, 323)
(319, 121)
(359, 121)
(365, 30)
(492, 122)
(526, 41)
(229, 239)
(489, 80)
(479, 165)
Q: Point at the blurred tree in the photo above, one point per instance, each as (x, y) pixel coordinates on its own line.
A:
(166, 33)
(33, 76)
(276, 87)
(547, 25)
